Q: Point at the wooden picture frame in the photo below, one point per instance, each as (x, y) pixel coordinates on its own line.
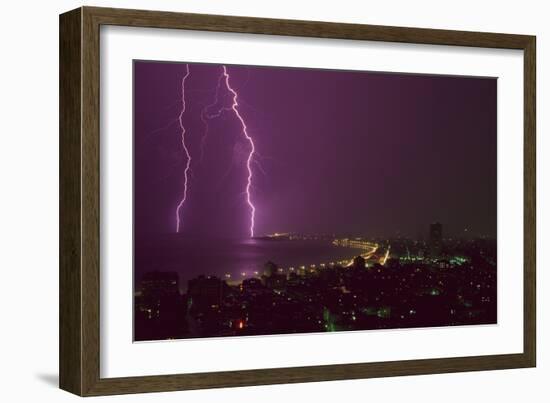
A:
(79, 346)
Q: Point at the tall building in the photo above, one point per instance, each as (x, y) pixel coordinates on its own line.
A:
(436, 239)
(270, 269)
(159, 309)
(359, 262)
(205, 291)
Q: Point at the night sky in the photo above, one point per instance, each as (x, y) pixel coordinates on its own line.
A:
(339, 152)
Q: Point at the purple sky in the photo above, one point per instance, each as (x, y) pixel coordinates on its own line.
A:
(338, 152)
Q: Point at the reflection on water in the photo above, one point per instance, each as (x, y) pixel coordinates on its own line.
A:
(231, 258)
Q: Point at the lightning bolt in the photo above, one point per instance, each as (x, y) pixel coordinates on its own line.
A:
(234, 107)
(206, 116)
(185, 149)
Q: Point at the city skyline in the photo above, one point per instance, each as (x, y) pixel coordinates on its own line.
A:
(387, 285)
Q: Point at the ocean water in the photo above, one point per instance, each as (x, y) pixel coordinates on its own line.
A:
(232, 259)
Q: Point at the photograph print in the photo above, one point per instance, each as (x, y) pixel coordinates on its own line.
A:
(275, 200)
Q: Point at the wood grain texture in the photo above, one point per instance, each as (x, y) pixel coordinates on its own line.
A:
(70, 273)
(90, 202)
(221, 23)
(80, 196)
(530, 200)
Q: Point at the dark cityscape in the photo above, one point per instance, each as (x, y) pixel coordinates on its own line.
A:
(397, 283)
(383, 183)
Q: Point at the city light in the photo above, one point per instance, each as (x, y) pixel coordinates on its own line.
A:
(386, 256)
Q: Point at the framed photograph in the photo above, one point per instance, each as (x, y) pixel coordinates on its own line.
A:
(249, 201)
